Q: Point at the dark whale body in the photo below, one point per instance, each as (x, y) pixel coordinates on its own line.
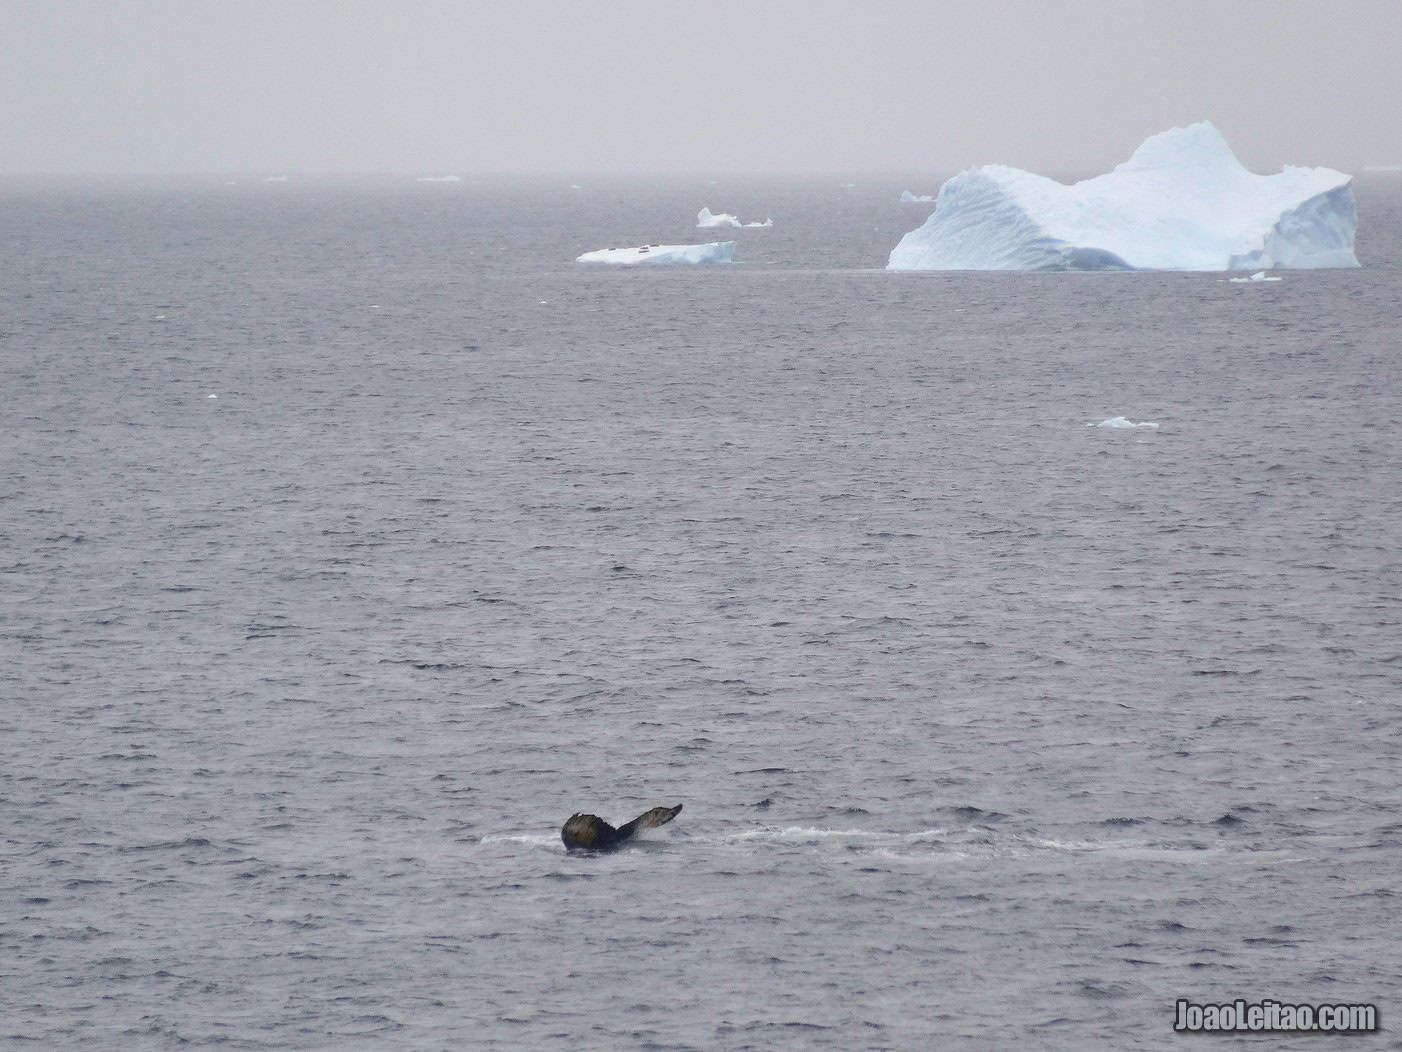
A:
(593, 833)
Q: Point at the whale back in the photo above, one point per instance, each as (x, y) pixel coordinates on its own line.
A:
(588, 831)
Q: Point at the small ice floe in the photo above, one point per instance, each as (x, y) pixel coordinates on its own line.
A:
(1260, 275)
(1120, 423)
(211, 396)
(708, 220)
(908, 198)
(275, 179)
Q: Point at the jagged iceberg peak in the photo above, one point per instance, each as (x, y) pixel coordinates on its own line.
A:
(1181, 202)
(1200, 145)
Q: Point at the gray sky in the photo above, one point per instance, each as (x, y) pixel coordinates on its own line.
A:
(431, 87)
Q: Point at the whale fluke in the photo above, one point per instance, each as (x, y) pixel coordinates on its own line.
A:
(592, 832)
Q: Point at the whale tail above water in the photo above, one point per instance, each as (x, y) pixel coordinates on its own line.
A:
(592, 832)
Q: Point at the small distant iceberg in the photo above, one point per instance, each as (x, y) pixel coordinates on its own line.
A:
(708, 220)
(908, 198)
(1120, 423)
(1182, 202)
(439, 179)
(1260, 275)
(713, 252)
(275, 179)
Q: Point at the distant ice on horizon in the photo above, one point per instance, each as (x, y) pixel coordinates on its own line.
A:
(908, 198)
(1181, 202)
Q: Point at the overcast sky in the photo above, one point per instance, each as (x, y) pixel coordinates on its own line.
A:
(461, 86)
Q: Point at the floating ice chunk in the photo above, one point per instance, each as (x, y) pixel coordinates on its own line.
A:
(708, 220)
(908, 198)
(1120, 423)
(1260, 275)
(1182, 202)
(275, 179)
(713, 252)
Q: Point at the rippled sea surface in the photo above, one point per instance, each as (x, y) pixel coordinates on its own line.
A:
(354, 536)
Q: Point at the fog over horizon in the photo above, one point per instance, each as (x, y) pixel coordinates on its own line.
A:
(425, 87)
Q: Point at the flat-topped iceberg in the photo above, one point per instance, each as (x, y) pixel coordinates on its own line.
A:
(714, 252)
(1181, 202)
(708, 220)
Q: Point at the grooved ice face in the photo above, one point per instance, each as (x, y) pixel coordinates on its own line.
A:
(1182, 202)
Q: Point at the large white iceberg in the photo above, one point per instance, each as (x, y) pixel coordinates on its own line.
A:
(714, 252)
(1182, 202)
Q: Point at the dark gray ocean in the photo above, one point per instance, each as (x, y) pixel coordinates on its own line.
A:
(354, 537)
